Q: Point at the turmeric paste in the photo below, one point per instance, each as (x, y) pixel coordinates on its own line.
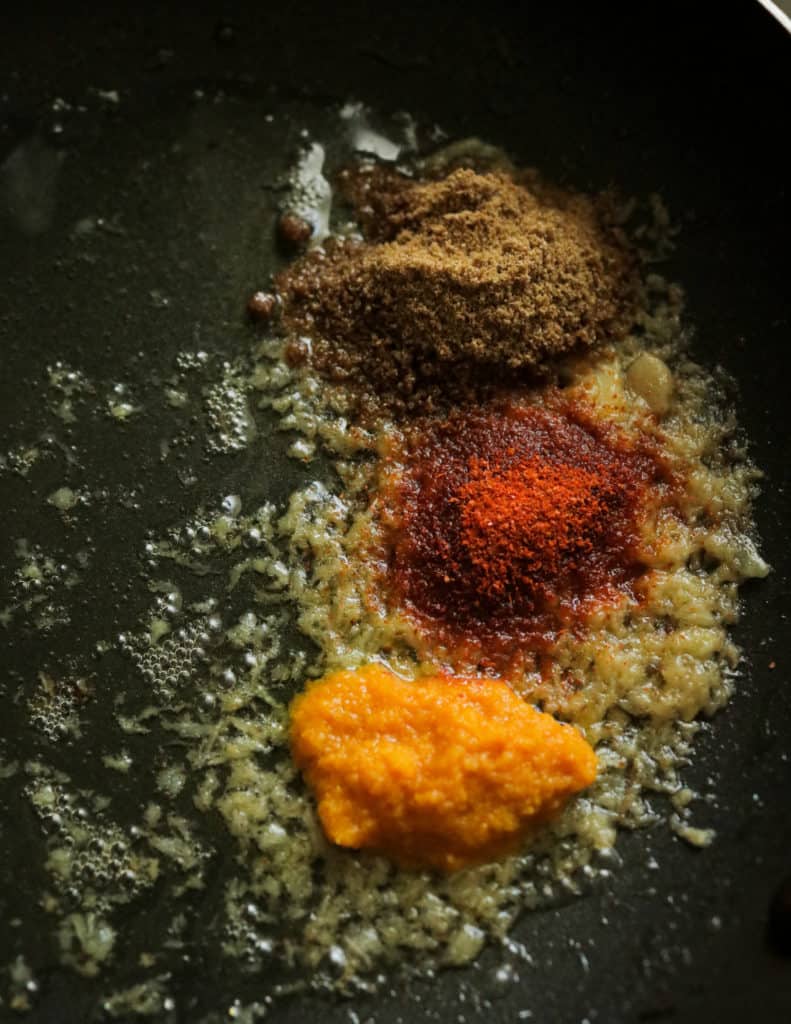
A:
(441, 772)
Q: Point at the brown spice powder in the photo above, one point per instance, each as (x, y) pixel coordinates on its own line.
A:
(458, 277)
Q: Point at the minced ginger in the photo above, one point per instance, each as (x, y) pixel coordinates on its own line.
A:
(440, 772)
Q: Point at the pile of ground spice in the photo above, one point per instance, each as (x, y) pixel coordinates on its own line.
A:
(509, 523)
(473, 270)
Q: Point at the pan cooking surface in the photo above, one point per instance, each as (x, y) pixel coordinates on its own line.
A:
(140, 172)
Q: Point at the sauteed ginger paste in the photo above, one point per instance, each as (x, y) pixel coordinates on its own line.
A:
(441, 772)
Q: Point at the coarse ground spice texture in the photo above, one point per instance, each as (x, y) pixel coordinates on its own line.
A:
(475, 271)
(510, 521)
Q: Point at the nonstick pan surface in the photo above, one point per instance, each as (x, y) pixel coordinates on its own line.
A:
(173, 153)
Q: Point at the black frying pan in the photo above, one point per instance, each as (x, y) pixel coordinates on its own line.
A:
(688, 100)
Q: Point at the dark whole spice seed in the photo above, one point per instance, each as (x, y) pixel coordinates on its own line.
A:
(293, 232)
(261, 306)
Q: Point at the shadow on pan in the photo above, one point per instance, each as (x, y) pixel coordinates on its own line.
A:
(690, 104)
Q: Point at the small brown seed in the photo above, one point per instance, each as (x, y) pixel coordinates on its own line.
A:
(296, 352)
(293, 232)
(261, 306)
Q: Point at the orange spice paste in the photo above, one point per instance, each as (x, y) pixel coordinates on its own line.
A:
(441, 772)
(511, 522)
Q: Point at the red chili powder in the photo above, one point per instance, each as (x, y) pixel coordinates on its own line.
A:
(513, 521)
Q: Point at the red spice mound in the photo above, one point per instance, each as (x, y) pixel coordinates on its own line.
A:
(527, 523)
(471, 270)
(511, 521)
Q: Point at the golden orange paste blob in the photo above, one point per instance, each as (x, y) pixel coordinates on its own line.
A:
(441, 772)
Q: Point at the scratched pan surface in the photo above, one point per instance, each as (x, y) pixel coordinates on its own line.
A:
(651, 101)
